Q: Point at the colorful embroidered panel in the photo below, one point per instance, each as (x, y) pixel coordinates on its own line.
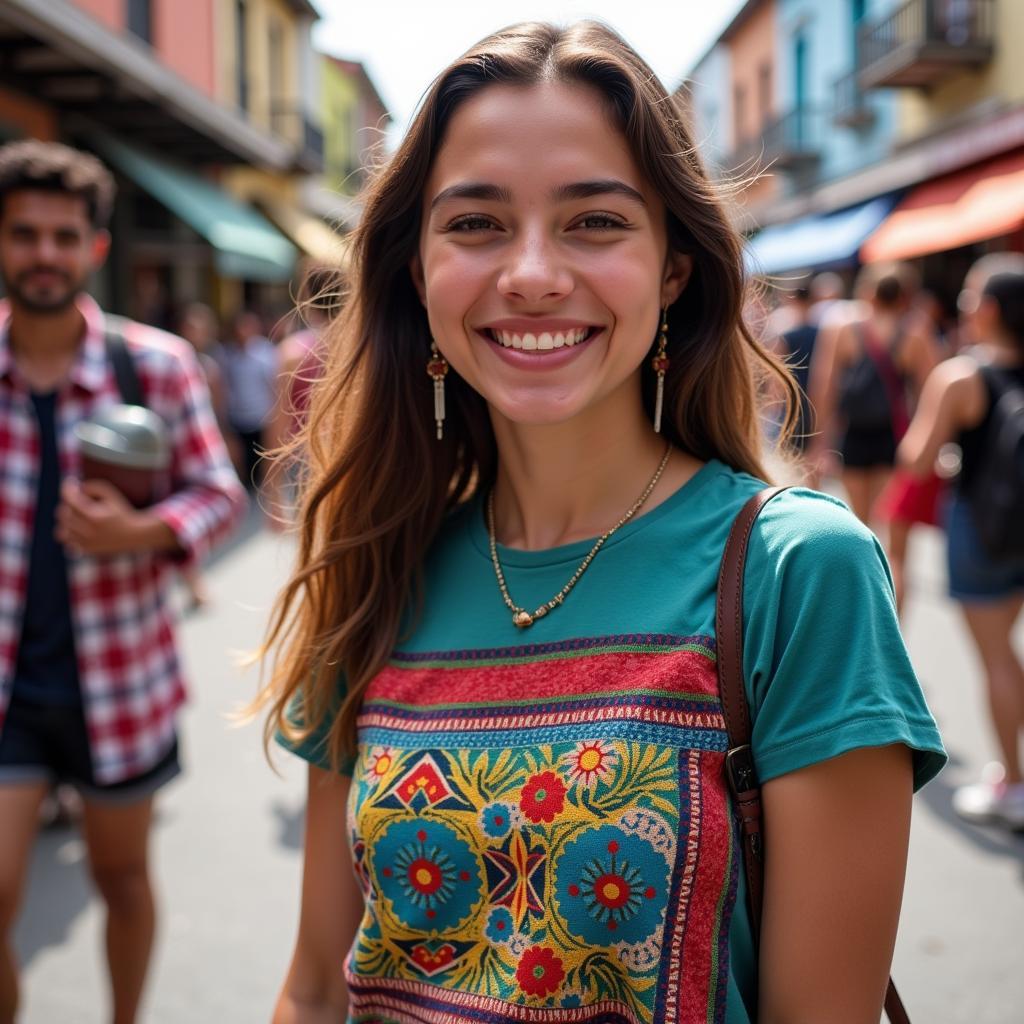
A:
(542, 833)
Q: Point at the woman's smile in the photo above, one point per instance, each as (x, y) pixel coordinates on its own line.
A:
(538, 344)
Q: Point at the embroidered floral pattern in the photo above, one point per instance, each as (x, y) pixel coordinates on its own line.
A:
(543, 797)
(496, 820)
(589, 762)
(500, 926)
(428, 874)
(611, 886)
(539, 972)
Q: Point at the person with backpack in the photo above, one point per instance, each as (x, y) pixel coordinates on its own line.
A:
(90, 683)
(501, 651)
(977, 400)
(864, 377)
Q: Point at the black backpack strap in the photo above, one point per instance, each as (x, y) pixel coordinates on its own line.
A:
(122, 364)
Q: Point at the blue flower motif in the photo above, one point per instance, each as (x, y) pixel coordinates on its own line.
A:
(571, 1001)
(611, 886)
(500, 926)
(428, 874)
(496, 820)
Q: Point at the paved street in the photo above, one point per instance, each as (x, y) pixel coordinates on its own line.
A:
(228, 845)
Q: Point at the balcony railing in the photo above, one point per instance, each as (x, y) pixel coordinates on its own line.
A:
(793, 142)
(789, 143)
(851, 106)
(923, 42)
(294, 125)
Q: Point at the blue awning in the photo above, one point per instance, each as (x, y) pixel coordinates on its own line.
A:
(824, 242)
(244, 242)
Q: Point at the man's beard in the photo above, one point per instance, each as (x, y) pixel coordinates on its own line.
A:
(52, 299)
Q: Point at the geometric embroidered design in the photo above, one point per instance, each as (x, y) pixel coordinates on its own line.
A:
(431, 958)
(515, 876)
(422, 780)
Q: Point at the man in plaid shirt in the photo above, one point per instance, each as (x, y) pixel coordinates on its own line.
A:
(89, 678)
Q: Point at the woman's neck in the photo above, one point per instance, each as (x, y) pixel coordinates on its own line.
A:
(571, 481)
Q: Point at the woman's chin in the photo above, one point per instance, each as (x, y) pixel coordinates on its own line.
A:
(538, 412)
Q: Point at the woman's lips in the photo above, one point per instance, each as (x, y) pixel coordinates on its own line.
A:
(539, 350)
(540, 339)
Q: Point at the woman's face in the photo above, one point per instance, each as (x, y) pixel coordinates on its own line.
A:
(543, 257)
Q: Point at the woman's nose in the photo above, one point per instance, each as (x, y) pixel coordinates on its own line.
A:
(534, 270)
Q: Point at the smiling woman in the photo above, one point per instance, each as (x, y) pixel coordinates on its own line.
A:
(543, 392)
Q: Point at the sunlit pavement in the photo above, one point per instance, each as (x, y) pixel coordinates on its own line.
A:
(227, 846)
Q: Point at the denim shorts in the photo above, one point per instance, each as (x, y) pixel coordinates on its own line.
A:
(974, 575)
(50, 743)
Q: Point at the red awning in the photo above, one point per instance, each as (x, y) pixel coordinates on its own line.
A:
(971, 205)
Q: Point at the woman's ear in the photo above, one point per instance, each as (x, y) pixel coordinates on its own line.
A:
(416, 272)
(678, 267)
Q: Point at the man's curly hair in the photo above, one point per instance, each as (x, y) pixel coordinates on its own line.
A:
(30, 164)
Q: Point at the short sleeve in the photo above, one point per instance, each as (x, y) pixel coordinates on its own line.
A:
(315, 748)
(826, 667)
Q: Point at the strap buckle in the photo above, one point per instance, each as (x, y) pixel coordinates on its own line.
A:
(739, 769)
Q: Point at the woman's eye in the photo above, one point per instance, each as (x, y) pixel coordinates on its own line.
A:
(471, 222)
(600, 221)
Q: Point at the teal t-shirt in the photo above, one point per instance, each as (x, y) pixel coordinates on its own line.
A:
(539, 819)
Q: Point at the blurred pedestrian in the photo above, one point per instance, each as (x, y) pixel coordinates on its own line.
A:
(865, 375)
(796, 346)
(826, 289)
(199, 327)
(249, 363)
(961, 403)
(300, 363)
(89, 680)
(543, 390)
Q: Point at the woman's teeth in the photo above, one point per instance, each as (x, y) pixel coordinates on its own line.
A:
(546, 340)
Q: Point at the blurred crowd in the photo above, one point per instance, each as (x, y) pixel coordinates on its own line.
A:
(916, 411)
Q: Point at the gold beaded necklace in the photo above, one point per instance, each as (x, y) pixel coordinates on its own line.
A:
(520, 616)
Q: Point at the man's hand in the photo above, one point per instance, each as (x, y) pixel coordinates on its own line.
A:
(95, 518)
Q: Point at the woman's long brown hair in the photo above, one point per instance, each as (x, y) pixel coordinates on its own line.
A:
(379, 485)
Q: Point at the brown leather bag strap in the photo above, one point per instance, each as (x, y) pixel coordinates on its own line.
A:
(740, 772)
(739, 761)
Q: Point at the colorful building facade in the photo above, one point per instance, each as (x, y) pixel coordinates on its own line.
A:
(183, 99)
(883, 108)
(358, 120)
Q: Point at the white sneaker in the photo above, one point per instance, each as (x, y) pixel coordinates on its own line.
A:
(991, 801)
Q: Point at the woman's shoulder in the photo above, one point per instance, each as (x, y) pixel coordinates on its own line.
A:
(812, 523)
(799, 523)
(812, 533)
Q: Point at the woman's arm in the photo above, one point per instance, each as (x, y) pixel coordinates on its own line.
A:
(953, 399)
(314, 991)
(837, 835)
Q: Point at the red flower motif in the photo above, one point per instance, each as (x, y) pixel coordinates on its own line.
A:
(543, 797)
(540, 972)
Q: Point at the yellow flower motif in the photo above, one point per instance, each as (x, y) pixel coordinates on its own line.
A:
(589, 762)
(379, 762)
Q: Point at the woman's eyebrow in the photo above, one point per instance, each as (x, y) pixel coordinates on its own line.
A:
(576, 190)
(599, 187)
(473, 190)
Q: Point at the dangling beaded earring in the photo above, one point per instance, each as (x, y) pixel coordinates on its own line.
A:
(437, 367)
(660, 364)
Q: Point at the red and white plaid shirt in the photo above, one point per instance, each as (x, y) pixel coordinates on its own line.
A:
(124, 638)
